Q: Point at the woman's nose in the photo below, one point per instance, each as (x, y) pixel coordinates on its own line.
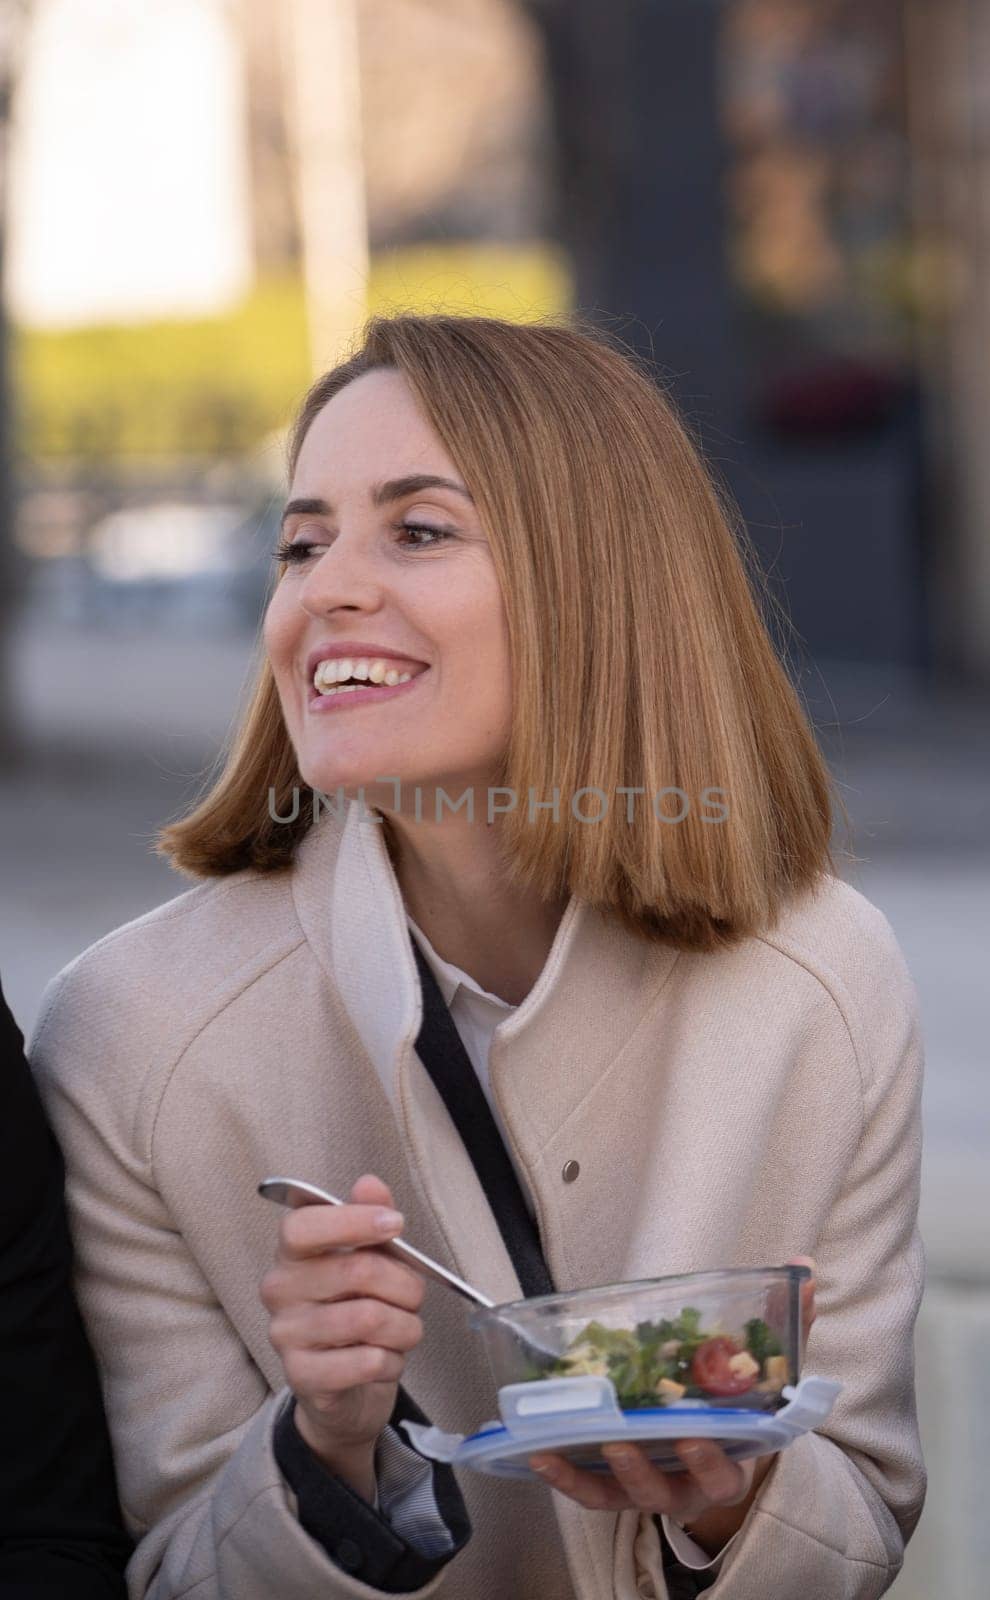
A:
(343, 576)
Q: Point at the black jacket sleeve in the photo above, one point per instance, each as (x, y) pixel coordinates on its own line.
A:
(354, 1535)
(61, 1532)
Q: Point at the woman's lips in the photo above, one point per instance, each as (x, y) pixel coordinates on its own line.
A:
(321, 703)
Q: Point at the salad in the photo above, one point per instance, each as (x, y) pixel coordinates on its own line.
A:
(676, 1359)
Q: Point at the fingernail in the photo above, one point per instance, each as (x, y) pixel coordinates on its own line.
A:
(618, 1458)
(389, 1221)
(545, 1468)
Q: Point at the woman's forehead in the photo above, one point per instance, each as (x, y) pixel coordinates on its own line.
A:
(371, 431)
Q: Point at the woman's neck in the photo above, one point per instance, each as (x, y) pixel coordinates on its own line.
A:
(455, 887)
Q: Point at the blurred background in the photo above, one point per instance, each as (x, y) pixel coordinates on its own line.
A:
(784, 203)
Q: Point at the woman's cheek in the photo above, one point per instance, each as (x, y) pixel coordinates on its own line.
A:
(277, 635)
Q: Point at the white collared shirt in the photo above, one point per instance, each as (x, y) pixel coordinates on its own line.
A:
(476, 1014)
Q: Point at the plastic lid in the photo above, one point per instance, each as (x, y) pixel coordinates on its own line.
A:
(574, 1416)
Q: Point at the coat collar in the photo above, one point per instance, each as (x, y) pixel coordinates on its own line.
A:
(548, 1052)
(351, 909)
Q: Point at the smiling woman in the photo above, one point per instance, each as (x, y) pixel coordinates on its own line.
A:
(590, 1007)
(598, 624)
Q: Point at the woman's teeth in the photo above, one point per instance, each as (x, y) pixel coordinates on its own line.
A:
(331, 677)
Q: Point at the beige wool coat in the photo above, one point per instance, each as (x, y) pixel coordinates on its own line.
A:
(730, 1109)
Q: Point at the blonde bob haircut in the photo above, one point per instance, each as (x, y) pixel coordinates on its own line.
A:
(639, 658)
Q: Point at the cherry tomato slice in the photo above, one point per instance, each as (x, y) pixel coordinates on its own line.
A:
(710, 1368)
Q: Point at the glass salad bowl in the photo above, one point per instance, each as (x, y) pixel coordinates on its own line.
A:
(726, 1340)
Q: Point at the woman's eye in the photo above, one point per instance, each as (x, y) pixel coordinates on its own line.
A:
(436, 535)
(289, 553)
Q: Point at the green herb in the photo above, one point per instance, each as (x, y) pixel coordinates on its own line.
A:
(760, 1342)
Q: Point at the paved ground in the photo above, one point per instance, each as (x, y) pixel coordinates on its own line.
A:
(123, 725)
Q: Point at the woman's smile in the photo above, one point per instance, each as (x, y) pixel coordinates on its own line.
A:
(343, 696)
(351, 672)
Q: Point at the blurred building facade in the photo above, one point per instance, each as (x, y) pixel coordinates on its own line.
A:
(786, 201)
(857, 143)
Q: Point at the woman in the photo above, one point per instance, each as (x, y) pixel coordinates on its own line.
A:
(60, 1527)
(699, 1047)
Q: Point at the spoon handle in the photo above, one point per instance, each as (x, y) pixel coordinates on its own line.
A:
(294, 1192)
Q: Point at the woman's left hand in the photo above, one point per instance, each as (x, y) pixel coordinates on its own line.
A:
(711, 1481)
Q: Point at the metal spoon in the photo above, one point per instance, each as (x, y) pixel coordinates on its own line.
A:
(294, 1192)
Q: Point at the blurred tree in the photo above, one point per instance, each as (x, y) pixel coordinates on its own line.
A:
(14, 15)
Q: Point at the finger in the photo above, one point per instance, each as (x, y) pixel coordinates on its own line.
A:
(803, 1261)
(594, 1491)
(312, 1373)
(348, 1322)
(644, 1484)
(356, 1275)
(313, 1230)
(364, 1274)
(372, 1191)
(721, 1481)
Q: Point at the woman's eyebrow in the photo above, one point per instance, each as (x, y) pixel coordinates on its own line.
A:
(397, 488)
(381, 494)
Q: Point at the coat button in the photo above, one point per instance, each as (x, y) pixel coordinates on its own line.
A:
(570, 1171)
(349, 1555)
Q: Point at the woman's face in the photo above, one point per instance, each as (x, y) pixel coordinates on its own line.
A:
(365, 582)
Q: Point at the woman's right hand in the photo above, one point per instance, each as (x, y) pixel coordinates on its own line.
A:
(343, 1319)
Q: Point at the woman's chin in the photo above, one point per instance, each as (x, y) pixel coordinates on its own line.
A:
(393, 785)
(364, 767)
(353, 786)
